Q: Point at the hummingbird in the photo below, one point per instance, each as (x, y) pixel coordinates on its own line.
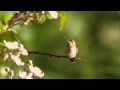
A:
(72, 50)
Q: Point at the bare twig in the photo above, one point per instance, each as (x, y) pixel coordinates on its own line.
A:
(15, 37)
(19, 19)
(11, 22)
(58, 56)
(51, 55)
(14, 19)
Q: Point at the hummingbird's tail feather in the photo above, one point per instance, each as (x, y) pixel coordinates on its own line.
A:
(76, 58)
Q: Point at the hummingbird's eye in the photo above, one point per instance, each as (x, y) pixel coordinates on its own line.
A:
(72, 41)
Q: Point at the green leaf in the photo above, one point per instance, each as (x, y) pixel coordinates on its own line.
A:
(62, 15)
(42, 19)
(49, 16)
(1, 27)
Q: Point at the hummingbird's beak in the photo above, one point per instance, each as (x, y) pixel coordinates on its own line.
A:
(69, 41)
(66, 38)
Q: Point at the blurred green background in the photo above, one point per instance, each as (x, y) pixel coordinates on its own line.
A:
(97, 34)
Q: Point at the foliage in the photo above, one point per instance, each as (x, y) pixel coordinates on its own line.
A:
(97, 36)
(12, 50)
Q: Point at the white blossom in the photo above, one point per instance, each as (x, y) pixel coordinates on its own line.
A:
(29, 76)
(31, 68)
(24, 75)
(11, 45)
(37, 71)
(16, 59)
(23, 50)
(54, 14)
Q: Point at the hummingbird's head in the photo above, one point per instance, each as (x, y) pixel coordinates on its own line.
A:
(71, 43)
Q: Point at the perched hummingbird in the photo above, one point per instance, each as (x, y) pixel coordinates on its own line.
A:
(72, 49)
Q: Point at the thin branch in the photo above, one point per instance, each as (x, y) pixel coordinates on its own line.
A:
(15, 37)
(2, 44)
(58, 56)
(19, 19)
(51, 55)
(15, 16)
